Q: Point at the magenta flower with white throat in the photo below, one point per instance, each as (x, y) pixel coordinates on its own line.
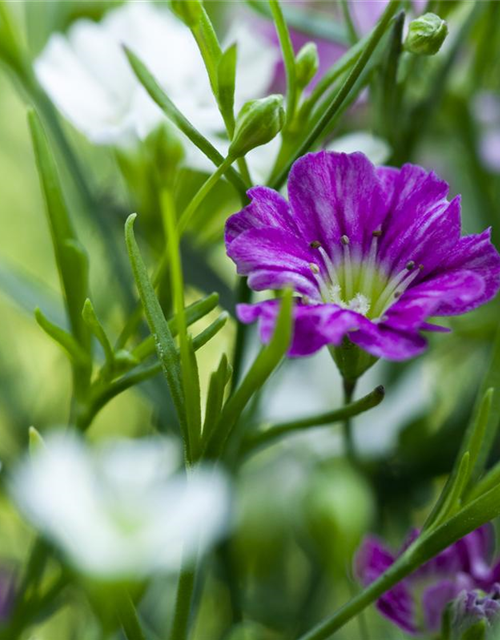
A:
(372, 254)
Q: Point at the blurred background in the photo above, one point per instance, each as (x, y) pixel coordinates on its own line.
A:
(301, 508)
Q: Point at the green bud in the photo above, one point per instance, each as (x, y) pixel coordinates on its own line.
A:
(36, 442)
(189, 11)
(426, 35)
(258, 122)
(307, 64)
(351, 361)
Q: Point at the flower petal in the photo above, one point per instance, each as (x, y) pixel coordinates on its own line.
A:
(457, 289)
(383, 341)
(436, 597)
(274, 258)
(267, 209)
(315, 326)
(421, 225)
(372, 560)
(476, 254)
(335, 194)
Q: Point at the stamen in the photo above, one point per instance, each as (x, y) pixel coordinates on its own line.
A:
(377, 233)
(368, 268)
(314, 268)
(329, 266)
(315, 244)
(347, 269)
(397, 285)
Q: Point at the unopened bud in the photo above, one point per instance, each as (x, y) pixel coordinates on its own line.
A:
(258, 122)
(307, 64)
(189, 11)
(426, 35)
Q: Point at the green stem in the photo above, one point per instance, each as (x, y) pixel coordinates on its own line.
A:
(185, 589)
(316, 131)
(243, 295)
(288, 58)
(350, 448)
(202, 193)
(272, 433)
(130, 620)
(351, 29)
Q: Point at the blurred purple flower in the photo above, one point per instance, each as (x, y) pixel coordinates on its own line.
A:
(365, 15)
(475, 609)
(486, 109)
(371, 252)
(417, 603)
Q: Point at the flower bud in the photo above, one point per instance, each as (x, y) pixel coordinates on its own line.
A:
(473, 615)
(258, 122)
(189, 11)
(307, 64)
(426, 35)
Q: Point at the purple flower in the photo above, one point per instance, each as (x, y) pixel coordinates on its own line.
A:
(418, 602)
(372, 254)
(475, 609)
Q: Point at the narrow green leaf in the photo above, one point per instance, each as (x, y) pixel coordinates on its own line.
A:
(268, 435)
(180, 121)
(450, 499)
(71, 259)
(193, 313)
(189, 367)
(472, 446)
(144, 373)
(95, 326)
(215, 397)
(226, 74)
(36, 442)
(76, 354)
(209, 46)
(306, 21)
(265, 363)
(164, 342)
(313, 134)
(288, 58)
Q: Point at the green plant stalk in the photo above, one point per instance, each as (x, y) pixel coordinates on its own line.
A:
(306, 22)
(189, 369)
(243, 296)
(129, 619)
(202, 193)
(288, 58)
(181, 122)
(103, 395)
(316, 131)
(474, 515)
(268, 436)
(183, 600)
(351, 29)
(350, 449)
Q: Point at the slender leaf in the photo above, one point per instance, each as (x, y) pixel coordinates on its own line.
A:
(226, 74)
(288, 58)
(164, 342)
(64, 339)
(215, 396)
(70, 257)
(180, 121)
(265, 363)
(95, 326)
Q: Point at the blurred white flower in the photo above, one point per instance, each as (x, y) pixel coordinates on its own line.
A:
(120, 511)
(88, 77)
(376, 149)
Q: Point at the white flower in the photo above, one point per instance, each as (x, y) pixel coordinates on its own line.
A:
(120, 511)
(88, 77)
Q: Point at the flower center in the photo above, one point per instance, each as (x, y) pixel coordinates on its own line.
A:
(359, 282)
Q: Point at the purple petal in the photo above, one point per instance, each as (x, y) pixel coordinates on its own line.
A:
(436, 598)
(372, 560)
(473, 253)
(385, 342)
(421, 225)
(336, 194)
(274, 258)
(267, 209)
(457, 289)
(315, 326)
